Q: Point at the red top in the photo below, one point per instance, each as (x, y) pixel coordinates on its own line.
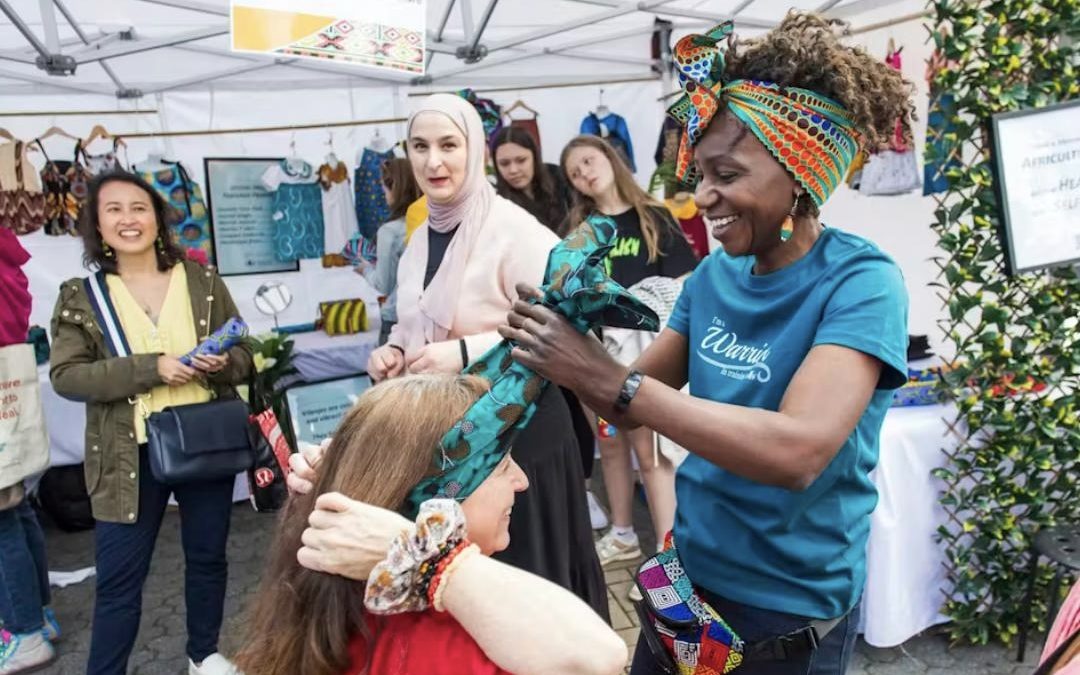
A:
(430, 642)
(14, 290)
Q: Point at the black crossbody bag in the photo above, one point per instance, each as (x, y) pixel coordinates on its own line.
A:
(197, 442)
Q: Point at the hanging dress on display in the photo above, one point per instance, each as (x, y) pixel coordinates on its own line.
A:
(191, 228)
(371, 207)
(66, 186)
(22, 203)
(296, 211)
(339, 213)
(104, 162)
(893, 171)
(612, 128)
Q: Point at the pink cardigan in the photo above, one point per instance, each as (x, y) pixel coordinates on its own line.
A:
(14, 290)
(512, 250)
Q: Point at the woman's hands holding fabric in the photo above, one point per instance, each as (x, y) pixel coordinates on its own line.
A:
(173, 372)
(384, 362)
(549, 345)
(211, 364)
(347, 537)
(437, 357)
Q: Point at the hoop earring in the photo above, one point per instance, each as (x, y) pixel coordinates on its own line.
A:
(788, 226)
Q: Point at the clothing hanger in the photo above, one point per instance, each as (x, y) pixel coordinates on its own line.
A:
(56, 131)
(101, 132)
(601, 109)
(331, 158)
(520, 104)
(378, 142)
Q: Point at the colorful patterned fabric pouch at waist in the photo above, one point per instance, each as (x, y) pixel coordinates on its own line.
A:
(684, 633)
(688, 637)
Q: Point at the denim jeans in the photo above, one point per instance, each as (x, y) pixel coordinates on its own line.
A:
(24, 573)
(753, 625)
(123, 560)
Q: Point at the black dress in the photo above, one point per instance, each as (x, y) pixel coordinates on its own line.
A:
(550, 531)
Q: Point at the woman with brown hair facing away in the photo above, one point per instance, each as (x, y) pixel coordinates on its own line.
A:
(791, 339)
(401, 191)
(649, 244)
(486, 617)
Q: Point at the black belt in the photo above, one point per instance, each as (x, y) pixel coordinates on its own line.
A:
(781, 648)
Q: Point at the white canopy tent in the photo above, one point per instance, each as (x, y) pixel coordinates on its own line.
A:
(129, 48)
(563, 57)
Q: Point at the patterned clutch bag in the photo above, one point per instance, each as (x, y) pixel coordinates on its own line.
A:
(343, 317)
(220, 341)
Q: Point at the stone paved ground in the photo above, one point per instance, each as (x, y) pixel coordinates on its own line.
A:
(160, 646)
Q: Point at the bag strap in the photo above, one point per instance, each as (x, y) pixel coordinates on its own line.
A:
(98, 293)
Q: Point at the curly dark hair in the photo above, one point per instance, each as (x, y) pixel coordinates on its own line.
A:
(805, 51)
(168, 253)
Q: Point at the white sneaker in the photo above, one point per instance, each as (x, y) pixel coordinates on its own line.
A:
(612, 549)
(24, 652)
(215, 664)
(635, 593)
(596, 512)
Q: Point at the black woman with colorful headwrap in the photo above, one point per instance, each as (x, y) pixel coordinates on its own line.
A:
(790, 336)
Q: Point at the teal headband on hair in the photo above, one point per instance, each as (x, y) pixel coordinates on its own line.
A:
(575, 286)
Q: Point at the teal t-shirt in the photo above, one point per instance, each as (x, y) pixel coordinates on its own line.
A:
(795, 552)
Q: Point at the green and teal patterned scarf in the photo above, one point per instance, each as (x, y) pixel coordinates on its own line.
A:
(575, 286)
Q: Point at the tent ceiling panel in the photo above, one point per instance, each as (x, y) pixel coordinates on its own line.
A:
(153, 45)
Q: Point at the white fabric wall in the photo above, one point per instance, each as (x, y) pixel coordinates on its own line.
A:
(900, 225)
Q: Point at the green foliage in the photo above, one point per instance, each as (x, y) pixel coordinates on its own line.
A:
(1016, 467)
(273, 357)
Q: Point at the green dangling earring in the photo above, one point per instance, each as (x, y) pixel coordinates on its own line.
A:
(160, 245)
(788, 227)
(106, 250)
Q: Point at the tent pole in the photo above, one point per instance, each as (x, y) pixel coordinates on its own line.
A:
(21, 26)
(914, 16)
(557, 85)
(255, 130)
(88, 113)
(82, 36)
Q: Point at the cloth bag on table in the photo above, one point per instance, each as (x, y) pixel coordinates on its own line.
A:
(24, 442)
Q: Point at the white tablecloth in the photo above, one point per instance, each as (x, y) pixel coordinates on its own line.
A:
(905, 575)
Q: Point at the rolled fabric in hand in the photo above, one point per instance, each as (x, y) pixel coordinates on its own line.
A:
(221, 341)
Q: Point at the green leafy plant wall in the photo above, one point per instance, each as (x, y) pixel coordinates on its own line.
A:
(1015, 339)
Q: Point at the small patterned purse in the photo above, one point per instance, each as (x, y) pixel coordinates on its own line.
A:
(675, 619)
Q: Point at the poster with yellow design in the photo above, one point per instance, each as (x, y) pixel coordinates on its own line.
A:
(385, 34)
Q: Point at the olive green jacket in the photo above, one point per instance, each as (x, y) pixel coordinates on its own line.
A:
(83, 370)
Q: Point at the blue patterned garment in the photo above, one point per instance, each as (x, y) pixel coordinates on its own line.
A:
(192, 229)
(298, 222)
(371, 207)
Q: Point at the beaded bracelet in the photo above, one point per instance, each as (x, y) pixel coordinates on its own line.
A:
(400, 583)
(465, 553)
(440, 569)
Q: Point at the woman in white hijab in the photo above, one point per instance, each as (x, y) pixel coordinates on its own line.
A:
(456, 283)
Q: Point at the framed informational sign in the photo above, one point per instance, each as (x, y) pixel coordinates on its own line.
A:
(316, 408)
(1037, 164)
(383, 34)
(240, 209)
